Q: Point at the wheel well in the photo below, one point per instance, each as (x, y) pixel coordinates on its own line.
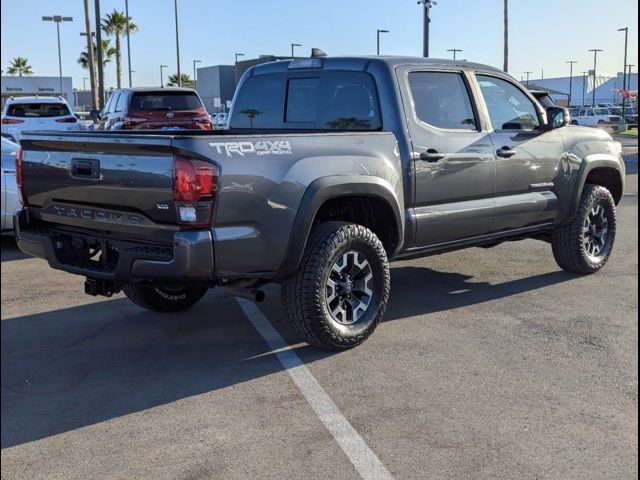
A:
(371, 212)
(608, 178)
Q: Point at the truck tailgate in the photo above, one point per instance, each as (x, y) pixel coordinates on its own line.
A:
(119, 183)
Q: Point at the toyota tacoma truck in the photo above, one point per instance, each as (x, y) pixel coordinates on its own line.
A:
(330, 169)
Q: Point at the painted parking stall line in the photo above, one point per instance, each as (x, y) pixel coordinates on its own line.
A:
(353, 445)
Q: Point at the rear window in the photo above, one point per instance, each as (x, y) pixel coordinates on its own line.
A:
(38, 110)
(326, 101)
(165, 101)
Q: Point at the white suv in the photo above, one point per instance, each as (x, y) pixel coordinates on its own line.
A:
(596, 117)
(37, 113)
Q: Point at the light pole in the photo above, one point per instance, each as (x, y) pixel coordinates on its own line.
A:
(595, 66)
(571, 63)
(454, 50)
(239, 55)
(428, 5)
(293, 47)
(584, 87)
(195, 77)
(175, 7)
(162, 67)
(84, 84)
(378, 32)
(236, 65)
(58, 19)
(126, 13)
(528, 73)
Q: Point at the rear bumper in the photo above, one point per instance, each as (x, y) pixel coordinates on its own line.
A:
(189, 259)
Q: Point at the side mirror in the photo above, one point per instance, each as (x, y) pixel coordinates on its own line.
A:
(95, 114)
(557, 117)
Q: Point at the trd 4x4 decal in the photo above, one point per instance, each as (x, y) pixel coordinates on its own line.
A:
(263, 147)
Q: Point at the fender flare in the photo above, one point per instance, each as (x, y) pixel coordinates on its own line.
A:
(590, 163)
(328, 188)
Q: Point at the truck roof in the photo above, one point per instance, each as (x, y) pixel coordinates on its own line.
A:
(361, 63)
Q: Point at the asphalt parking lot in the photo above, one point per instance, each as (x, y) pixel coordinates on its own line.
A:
(489, 364)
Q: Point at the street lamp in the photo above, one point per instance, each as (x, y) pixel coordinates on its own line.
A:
(454, 50)
(528, 73)
(58, 19)
(175, 7)
(239, 55)
(195, 78)
(595, 65)
(162, 67)
(428, 5)
(84, 83)
(126, 13)
(378, 32)
(571, 63)
(293, 46)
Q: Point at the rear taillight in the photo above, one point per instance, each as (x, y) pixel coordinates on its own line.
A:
(19, 183)
(10, 121)
(195, 184)
(67, 120)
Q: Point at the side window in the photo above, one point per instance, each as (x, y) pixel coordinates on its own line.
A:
(441, 99)
(509, 108)
(107, 105)
(120, 106)
(582, 113)
(260, 103)
(590, 113)
(114, 102)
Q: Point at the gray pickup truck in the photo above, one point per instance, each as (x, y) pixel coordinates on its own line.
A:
(330, 168)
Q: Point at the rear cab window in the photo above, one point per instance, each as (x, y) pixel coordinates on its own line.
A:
(38, 110)
(165, 101)
(327, 100)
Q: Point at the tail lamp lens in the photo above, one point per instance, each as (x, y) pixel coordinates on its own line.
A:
(194, 192)
(19, 182)
(67, 120)
(10, 121)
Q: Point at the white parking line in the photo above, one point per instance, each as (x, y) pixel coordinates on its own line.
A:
(361, 456)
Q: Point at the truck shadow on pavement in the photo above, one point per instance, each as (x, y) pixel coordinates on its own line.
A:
(10, 251)
(74, 367)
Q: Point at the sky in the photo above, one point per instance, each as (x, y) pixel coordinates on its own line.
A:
(544, 34)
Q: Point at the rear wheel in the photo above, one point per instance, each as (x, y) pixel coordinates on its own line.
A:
(585, 244)
(340, 292)
(164, 298)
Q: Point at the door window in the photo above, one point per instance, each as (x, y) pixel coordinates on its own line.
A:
(120, 106)
(441, 99)
(509, 108)
(590, 113)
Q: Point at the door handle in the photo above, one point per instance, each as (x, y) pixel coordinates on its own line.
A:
(506, 152)
(432, 155)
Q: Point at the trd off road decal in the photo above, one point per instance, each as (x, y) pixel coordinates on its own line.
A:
(266, 147)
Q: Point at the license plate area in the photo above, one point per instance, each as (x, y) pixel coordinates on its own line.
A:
(89, 253)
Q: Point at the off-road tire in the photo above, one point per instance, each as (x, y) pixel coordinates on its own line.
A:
(303, 294)
(567, 240)
(164, 299)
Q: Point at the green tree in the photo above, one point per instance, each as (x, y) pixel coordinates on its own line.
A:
(108, 52)
(186, 80)
(20, 66)
(115, 24)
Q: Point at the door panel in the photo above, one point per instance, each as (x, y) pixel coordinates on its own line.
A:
(453, 164)
(525, 173)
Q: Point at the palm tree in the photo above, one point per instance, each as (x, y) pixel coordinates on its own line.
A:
(20, 66)
(505, 66)
(108, 52)
(115, 23)
(90, 56)
(186, 80)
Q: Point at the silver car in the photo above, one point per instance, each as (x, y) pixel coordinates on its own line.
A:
(10, 194)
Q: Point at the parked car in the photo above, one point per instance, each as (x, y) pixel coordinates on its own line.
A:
(330, 168)
(597, 117)
(9, 195)
(153, 109)
(222, 119)
(631, 116)
(37, 113)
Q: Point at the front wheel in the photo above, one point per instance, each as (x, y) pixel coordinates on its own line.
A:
(164, 298)
(340, 291)
(585, 244)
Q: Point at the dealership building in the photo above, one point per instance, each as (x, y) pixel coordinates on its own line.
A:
(582, 88)
(15, 86)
